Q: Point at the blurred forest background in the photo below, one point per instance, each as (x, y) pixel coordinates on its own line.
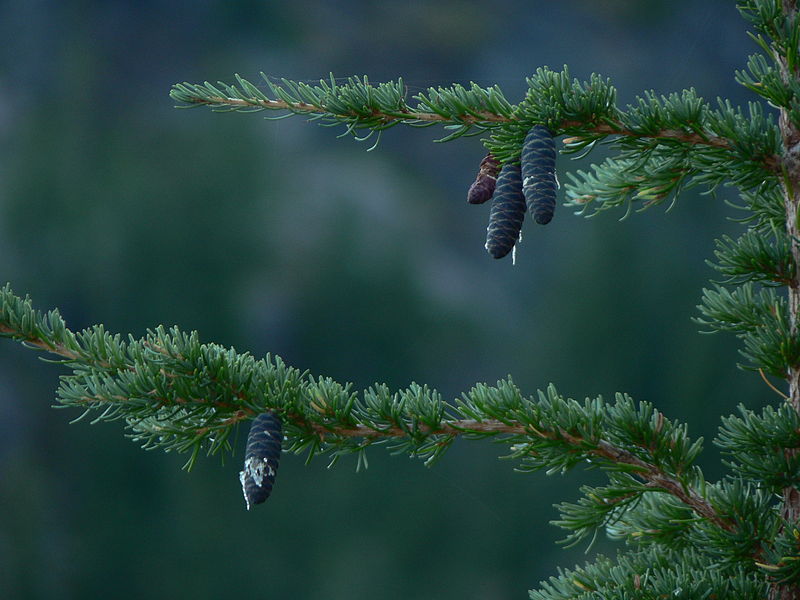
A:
(363, 266)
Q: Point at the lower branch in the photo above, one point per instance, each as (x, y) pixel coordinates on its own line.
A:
(178, 394)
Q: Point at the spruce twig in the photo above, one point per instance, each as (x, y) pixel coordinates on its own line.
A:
(405, 115)
(196, 95)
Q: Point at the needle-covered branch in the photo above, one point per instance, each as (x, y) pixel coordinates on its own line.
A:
(664, 143)
(651, 573)
(176, 393)
(760, 318)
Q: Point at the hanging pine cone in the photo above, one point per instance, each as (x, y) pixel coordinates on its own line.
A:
(261, 458)
(483, 186)
(538, 162)
(507, 212)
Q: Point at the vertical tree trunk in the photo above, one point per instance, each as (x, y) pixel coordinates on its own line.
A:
(791, 196)
(791, 495)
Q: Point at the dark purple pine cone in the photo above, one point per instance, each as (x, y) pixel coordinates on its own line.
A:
(483, 187)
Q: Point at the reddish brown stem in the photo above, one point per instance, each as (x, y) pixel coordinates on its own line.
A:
(58, 349)
(772, 162)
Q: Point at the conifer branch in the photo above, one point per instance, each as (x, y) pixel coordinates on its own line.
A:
(404, 115)
(408, 116)
(189, 94)
(321, 415)
(677, 135)
(651, 572)
(665, 143)
(332, 102)
(38, 343)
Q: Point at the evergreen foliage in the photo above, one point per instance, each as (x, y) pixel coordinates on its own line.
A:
(686, 537)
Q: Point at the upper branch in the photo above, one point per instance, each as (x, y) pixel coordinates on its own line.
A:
(404, 115)
(664, 143)
(459, 112)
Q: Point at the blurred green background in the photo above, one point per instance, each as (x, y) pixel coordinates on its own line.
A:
(279, 237)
